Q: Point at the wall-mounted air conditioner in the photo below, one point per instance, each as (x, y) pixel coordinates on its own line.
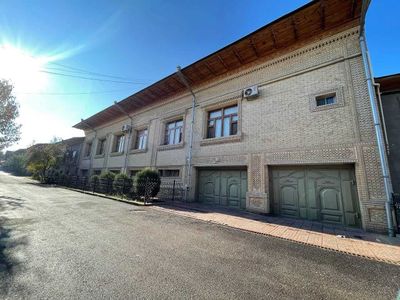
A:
(251, 92)
(126, 128)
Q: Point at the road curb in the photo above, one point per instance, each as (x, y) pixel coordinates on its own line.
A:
(137, 203)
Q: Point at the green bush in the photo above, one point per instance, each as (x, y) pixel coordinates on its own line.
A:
(107, 175)
(52, 176)
(36, 176)
(64, 178)
(147, 179)
(16, 164)
(122, 183)
(94, 179)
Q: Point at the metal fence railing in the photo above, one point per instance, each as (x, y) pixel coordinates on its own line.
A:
(396, 206)
(147, 191)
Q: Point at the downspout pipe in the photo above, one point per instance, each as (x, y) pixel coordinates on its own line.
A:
(378, 93)
(91, 150)
(129, 136)
(377, 124)
(190, 150)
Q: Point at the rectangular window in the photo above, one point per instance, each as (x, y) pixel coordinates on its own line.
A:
(96, 172)
(141, 139)
(173, 132)
(169, 173)
(222, 122)
(88, 149)
(119, 143)
(325, 100)
(100, 146)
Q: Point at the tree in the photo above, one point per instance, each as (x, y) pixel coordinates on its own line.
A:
(42, 158)
(55, 140)
(16, 164)
(9, 129)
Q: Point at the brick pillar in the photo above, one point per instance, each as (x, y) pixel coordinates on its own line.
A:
(257, 196)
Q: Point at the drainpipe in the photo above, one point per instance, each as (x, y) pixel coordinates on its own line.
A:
(91, 150)
(377, 124)
(189, 154)
(378, 93)
(129, 136)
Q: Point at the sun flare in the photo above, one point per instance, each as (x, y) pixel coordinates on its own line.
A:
(22, 69)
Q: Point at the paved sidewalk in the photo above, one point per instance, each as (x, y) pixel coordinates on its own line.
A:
(342, 239)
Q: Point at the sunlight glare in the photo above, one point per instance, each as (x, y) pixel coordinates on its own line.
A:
(22, 69)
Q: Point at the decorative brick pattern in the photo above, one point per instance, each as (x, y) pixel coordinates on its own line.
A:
(255, 173)
(313, 156)
(238, 160)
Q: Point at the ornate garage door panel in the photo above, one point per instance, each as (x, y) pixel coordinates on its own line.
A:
(209, 182)
(223, 187)
(316, 193)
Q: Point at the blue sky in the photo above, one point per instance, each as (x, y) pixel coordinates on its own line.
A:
(139, 41)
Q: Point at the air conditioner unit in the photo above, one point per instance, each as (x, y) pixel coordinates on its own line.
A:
(250, 92)
(126, 128)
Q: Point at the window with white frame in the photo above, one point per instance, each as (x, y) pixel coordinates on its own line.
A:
(173, 132)
(222, 122)
(119, 142)
(141, 139)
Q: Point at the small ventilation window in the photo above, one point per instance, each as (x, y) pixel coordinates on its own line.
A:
(326, 100)
(169, 173)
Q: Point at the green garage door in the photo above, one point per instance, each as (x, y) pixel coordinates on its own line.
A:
(223, 187)
(316, 193)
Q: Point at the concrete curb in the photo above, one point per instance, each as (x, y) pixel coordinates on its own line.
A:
(137, 203)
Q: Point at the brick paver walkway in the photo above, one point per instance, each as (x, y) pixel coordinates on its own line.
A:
(347, 240)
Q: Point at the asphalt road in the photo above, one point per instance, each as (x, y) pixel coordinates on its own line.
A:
(60, 244)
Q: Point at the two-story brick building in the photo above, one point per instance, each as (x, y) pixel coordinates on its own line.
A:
(281, 123)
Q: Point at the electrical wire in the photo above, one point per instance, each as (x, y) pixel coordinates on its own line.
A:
(91, 78)
(79, 70)
(74, 93)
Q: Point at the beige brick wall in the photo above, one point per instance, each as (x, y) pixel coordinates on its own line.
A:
(280, 127)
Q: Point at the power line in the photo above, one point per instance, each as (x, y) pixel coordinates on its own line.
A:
(90, 78)
(74, 93)
(79, 70)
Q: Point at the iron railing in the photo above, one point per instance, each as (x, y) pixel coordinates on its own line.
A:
(123, 188)
(396, 206)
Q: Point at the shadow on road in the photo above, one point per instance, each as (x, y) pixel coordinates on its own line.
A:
(12, 202)
(43, 185)
(10, 243)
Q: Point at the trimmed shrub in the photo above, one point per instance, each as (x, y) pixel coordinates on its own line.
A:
(122, 183)
(52, 176)
(106, 180)
(94, 179)
(64, 179)
(147, 182)
(107, 175)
